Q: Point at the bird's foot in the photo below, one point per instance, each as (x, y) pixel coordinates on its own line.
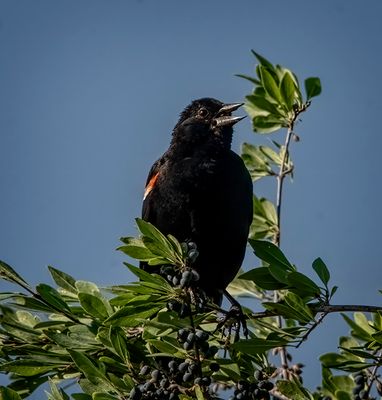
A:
(234, 318)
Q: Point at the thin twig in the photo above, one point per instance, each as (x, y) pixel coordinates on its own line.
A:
(311, 329)
(373, 374)
(280, 180)
(326, 309)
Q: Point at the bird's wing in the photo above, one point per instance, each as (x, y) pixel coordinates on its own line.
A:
(150, 184)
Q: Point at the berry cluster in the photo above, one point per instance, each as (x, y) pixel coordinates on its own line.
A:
(169, 379)
(360, 391)
(258, 390)
(188, 339)
(176, 277)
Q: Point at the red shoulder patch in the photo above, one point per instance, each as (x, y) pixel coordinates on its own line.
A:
(150, 185)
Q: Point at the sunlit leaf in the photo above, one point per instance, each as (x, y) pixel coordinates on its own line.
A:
(321, 270)
(312, 87)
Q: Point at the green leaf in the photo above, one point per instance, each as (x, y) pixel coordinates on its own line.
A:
(303, 285)
(263, 105)
(93, 305)
(288, 90)
(148, 277)
(264, 224)
(343, 382)
(341, 395)
(340, 361)
(312, 87)
(154, 240)
(52, 297)
(249, 78)
(321, 270)
(263, 61)
(104, 396)
(297, 304)
(360, 327)
(9, 274)
(198, 393)
(270, 85)
(263, 278)
(90, 288)
(117, 338)
(92, 373)
(135, 248)
(133, 316)
(8, 394)
(243, 288)
(267, 124)
(56, 393)
(26, 367)
(31, 303)
(270, 253)
(257, 345)
(292, 389)
(361, 320)
(63, 280)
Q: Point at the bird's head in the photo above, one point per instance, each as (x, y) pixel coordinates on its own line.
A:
(205, 121)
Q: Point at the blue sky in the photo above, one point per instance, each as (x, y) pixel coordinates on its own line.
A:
(90, 91)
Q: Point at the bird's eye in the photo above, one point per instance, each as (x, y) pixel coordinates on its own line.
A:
(203, 112)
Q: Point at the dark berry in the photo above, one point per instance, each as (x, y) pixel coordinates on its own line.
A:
(201, 336)
(182, 335)
(359, 379)
(204, 346)
(212, 351)
(242, 385)
(183, 367)
(135, 394)
(184, 311)
(174, 306)
(183, 283)
(148, 386)
(363, 394)
(268, 385)
(195, 275)
(172, 366)
(166, 270)
(214, 367)
(192, 367)
(155, 375)
(187, 276)
(193, 255)
(163, 383)
(206, 380)
(187, 377)
(144, 370)
(198, 381)
(190, 337)
(358, 388)
(175, 281)
(258, 375)
(191, 245)
(187, 345)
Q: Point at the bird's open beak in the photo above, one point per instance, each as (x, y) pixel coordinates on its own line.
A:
(224, 117)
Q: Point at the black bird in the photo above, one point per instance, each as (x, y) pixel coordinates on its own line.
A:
(201, 191)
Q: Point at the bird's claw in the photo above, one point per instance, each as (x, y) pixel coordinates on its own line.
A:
(235, 315)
